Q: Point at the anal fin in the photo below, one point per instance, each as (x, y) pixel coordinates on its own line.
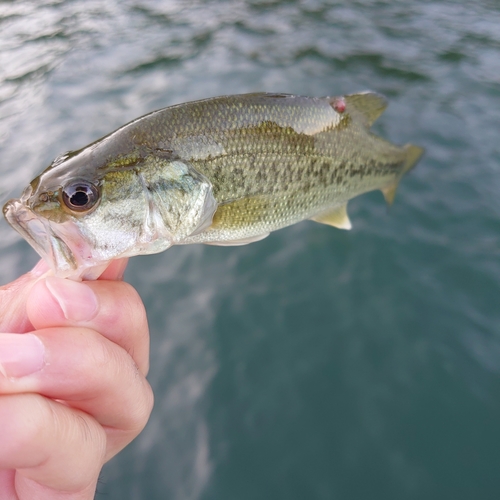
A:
(336, 217)
(389, 193)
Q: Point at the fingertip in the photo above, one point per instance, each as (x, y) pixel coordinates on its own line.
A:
(41, 307)
(76, 299)
(13, 297)
(57, 301)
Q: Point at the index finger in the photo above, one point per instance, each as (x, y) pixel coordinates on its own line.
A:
(112, 308)
(13, 297)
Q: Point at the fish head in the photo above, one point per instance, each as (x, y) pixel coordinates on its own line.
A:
(81, 213)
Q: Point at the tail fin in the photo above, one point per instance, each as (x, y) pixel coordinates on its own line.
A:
(412, 155)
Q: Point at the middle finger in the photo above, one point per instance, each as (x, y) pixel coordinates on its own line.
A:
(84, 369)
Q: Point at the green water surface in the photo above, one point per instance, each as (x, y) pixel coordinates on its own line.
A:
(316, 364)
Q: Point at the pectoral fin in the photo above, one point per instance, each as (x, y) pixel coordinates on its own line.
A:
(336, 217)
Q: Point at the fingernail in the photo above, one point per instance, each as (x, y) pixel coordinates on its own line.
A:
(77, 300)
(20, 354)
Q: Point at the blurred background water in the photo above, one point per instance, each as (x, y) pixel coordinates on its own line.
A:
(318, 363)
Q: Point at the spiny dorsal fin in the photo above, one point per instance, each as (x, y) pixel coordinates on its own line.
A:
(336, 217)
(369, 104)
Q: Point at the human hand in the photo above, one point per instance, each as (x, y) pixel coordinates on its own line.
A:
(73, 390)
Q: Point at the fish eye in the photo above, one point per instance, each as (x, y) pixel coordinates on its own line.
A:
(80, 196)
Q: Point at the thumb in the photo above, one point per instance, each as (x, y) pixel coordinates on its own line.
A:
(13, 318)
(13, 296)
(115, 270)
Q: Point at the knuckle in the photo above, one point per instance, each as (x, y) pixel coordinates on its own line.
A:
(137, 309)
(149, 401)
(90, 432)
(101, 355)
(36, 426)
(142, 407)
(127, 309)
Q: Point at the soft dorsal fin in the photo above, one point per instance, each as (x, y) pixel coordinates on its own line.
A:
(336, 217)
(369, 104)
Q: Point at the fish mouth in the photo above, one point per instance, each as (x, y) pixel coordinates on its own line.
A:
(38, 233)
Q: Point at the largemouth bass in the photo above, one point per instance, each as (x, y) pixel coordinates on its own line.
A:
(223, 171)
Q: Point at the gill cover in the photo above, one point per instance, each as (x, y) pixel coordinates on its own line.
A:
(179, 198)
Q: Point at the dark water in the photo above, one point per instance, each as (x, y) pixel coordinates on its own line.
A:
(318, 363)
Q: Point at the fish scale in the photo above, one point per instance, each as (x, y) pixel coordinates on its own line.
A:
(222, 171)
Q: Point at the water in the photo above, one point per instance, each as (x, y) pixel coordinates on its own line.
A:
(318, 363)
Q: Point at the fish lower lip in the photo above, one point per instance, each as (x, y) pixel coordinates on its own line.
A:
(25, 222)
(39, 235)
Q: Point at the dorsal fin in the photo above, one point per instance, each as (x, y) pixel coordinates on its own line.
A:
(369, 104)
(336, 217)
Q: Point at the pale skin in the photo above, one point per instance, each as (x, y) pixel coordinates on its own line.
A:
(73, 392)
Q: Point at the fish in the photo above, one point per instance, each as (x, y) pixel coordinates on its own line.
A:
(223, 171)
